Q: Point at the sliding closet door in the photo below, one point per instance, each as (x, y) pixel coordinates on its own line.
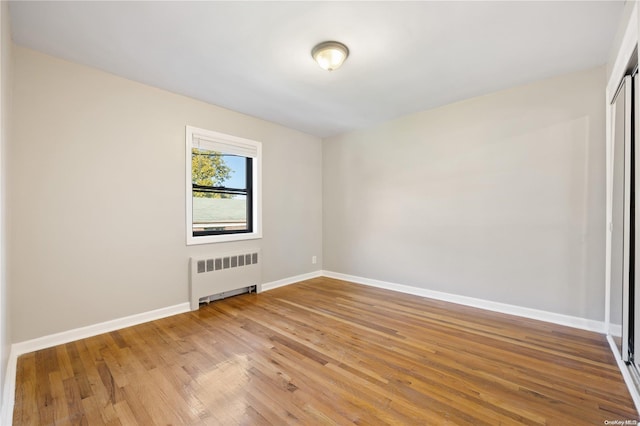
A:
(620, 232)
(635, 285)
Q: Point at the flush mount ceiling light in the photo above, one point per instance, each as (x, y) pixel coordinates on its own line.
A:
(330, 54)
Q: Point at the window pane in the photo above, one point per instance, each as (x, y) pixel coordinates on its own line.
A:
(212, 168)
(220, 201)
(238, 166)
(219, 214)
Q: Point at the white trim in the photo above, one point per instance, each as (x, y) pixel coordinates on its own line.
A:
(93, 330)
(291, 280)
(194, 132)
(608, 215)
(9, 389)
(552, 317)
(626, 374)
(629, 41)
(63, 337)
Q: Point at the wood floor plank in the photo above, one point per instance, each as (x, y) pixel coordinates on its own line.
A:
(43, 390)
(26, 404)
(136, 406)
(74, 402)
(327, 352)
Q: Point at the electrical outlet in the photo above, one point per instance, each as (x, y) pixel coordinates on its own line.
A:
(314, 259)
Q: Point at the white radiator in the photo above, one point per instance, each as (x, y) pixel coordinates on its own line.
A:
(222, 275)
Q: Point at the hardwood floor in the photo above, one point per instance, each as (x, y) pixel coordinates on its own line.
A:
(327, 352)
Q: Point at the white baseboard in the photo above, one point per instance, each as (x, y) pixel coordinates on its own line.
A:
(44, 342)
(291, 280)
(117, 324)
(561, 319)
(626, 374)
(95, 329)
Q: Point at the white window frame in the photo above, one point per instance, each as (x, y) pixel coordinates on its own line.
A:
(234, 142)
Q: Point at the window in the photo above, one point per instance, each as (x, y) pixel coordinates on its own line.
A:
(223, 187)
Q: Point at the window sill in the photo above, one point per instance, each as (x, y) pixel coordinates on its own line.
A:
(224, 238)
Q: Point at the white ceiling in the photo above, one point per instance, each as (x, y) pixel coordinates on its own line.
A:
(254, 57)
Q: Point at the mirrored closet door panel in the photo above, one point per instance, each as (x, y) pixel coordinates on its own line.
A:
(620, 233)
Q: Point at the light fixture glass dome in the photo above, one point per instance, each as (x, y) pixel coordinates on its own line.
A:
(330, 54)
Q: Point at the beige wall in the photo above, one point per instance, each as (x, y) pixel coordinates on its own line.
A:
(6, 75)
(96, 195)
(500, 197)
(507, 206)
